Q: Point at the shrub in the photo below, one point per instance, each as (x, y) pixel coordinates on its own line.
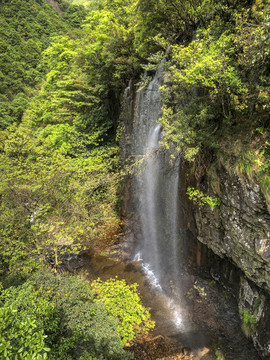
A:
(20, 339)
(24, 316)
(123, 301)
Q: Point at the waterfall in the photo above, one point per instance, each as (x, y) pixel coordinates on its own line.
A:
(155, 192)
(155, 238)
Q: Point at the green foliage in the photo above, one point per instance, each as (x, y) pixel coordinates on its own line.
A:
(219, 355)
(249, 321)
(199, 198)
(86, 76)
(263, 161)
(20, 339)
(26, 28)
(57, 319)
(171, 20)
(216, 90)
(86, 3)
(198, 99)
(249, 317)
(123, 301)
(74, 15)
(84, 324)
(252, 41)
(111, 29)
(52, 203)
(59, 167)
(25, 315)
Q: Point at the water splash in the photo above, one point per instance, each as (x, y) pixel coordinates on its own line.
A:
(177, 313)
(148, 272)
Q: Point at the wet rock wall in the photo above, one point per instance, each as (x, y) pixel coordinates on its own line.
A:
(231, 244)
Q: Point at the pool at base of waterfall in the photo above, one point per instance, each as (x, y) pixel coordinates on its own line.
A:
(209, 322)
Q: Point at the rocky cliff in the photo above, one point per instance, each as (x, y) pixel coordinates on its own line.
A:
(239, 229)
(238, 232)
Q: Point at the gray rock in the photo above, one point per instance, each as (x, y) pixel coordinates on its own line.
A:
(239, 230)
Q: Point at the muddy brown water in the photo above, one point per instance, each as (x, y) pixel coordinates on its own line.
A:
(209, 326)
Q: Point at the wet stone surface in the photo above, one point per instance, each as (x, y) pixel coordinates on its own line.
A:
(239, 232)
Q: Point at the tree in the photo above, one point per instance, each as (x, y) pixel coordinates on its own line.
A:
(50, 202)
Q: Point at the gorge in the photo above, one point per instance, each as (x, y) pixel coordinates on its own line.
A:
(134, 147)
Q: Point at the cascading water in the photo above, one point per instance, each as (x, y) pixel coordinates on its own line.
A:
(156, 193)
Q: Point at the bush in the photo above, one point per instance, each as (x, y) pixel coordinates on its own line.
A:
(123, 301)
(20, 340)
(25, 315)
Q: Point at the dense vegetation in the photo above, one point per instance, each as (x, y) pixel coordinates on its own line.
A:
(26, 29)
(216, 91)
(64, 319)
(62, 81)
(63, 69)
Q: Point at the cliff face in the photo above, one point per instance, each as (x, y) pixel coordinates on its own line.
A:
(239, 229)
(239, 233)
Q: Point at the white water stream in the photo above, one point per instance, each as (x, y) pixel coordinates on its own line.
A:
(156, 194)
